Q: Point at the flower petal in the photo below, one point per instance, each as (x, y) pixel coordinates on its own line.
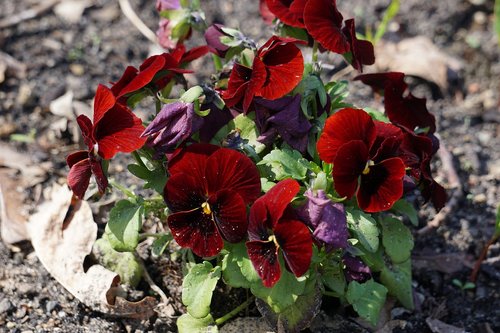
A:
(86, 127)
(361, 50)
(192, 160)
(197, 231)
(259, 222)
(104, 100)
(230, 214)
(100, 177)
(344, 126)
(295, 241)
(323, 22)
(184, 192)
(230, 169)
(119, 130)
(348, 165)
(148, 70)
(79, 175)
(382, 186)
(279, 197)
(264, 257)
(289, 12)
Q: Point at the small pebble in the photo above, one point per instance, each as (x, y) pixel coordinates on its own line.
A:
(5, 306)
(51, 305)
(10, 324)
(61, 314)
(480, 198)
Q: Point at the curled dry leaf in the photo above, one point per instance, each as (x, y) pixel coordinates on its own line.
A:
(417, 56)
(62, 233)
(438, 326)
(12, 219)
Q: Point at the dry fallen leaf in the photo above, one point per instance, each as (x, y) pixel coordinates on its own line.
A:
(417, 56)
(12, 219)
(71, 10)
(62, 233)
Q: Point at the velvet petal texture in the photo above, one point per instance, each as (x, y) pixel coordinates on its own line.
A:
(208, 190)
(362, 52)
(290, 12)
(269, 231)
(323, 22)
(82, 165)
(344, 126)
(212, 37)
(349, 164)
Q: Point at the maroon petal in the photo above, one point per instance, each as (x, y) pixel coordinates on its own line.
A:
(382, 186)
(127, 76)
(230, 214)
(279, 197)
(191, 159)
(76, 157)
(295, 241)
(361, 50)
(119, 130)
(193, 54)
(264, 257)
(343, 126)
(259, 222)
(323, 22)
(230, 169)
(266, 14)
(86, 127)
(257, 80)
(284, 65)
(237, 85)
(196, 230)
(288, 11)
(148, 70)
(184, 192)
(348, 165)
(79, 174)
(378, 81)
(104, 100)
(100, 177)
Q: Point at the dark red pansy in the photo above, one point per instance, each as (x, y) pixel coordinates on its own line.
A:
(272, 231)
(277, 69)
(290, 12)
(184, 56)
(207, 192)
(323, 22)
(114, 129)
(362, 52)
(134, 79)
(401, 107)
(264, 11)
(365, 158)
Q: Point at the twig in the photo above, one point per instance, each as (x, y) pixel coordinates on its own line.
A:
(28, 14)
(480, 260)
(454, 183)
(128, 11)
(150, 281)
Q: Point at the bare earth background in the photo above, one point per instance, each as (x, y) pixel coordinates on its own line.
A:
(53, 56)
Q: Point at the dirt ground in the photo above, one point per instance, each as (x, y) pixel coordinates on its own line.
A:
(57, 56)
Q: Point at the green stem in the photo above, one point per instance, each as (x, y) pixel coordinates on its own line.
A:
(122, 189)
(217, 63)
(233, 313)
(315, 52)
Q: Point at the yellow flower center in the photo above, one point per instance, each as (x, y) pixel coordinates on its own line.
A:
(273, 239)
(206, 208)
(367, 167)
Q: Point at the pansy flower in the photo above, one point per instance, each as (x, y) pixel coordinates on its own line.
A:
(365, 158)
(273, 229)
(290, 12)
(114, 129)
(277, 68)
(207, 192)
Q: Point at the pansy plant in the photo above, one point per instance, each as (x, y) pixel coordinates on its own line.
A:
(266, 178)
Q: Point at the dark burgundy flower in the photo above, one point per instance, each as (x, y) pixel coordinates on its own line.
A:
(134, 79)
(401, 107)
(266, 14)
(174, 123)
(323, 22)
(272, 230)
(212, 37)
(282, 116)
(327, 220)
(277, 68)
(207, 192)
(355, 269)
(184, 56)
(290, 12)
(114, 129)
(365, 158)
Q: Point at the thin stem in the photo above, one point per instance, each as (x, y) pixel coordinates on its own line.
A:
(122, 189)
(315, 52)
(217, 62)
(233, 313)
(484, 252)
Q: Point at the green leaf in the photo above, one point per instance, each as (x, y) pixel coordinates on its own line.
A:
(297, 316)
(124, 264)
(333, 277)
(405, 208)
(286, 30)
(286, 163)
(188, 324)
(367, 299)
(155, 179)
(245, 126)
(376, 114)
(374, 260)
(398, 281)
(266, 184)
(197, 288)
(365, 227)
(397, 239)
(231, 271)
(125, 221)
(160, 244)
(284, 293)
(389, 14)
(192, 94)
